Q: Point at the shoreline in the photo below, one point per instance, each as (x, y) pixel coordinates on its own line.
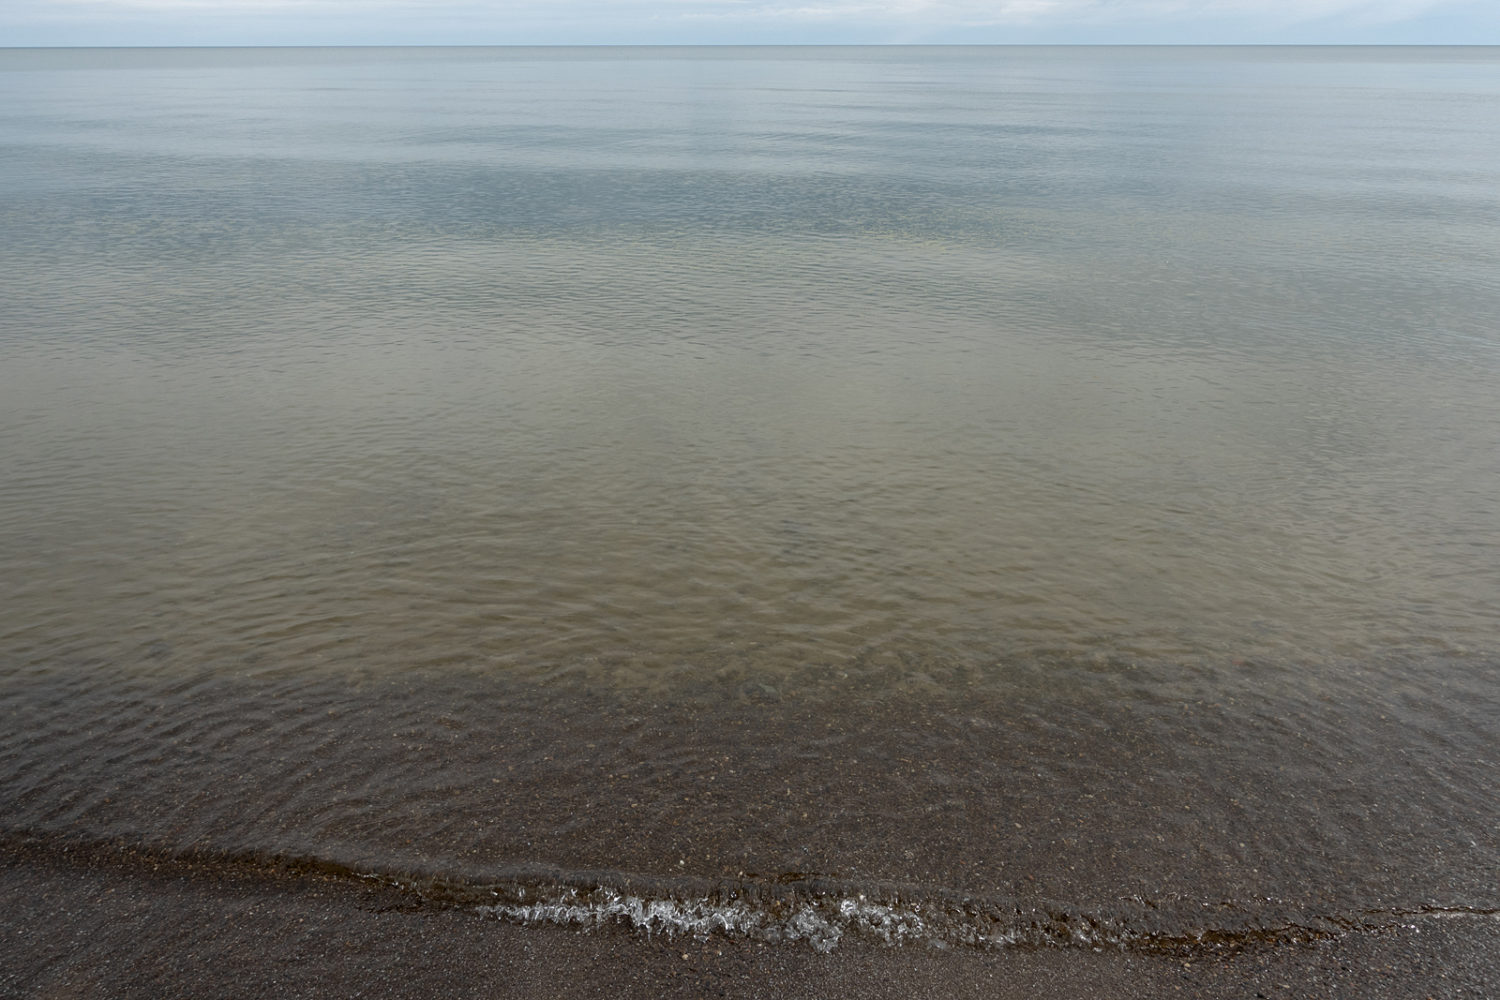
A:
(788, 910)
(82, 927)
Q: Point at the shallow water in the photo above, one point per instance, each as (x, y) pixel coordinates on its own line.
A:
(1033, 481)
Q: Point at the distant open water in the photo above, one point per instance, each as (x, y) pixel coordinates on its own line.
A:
(977, 496)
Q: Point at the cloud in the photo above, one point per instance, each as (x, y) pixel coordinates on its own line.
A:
(935, 11)
(528, 21)
(982, 12)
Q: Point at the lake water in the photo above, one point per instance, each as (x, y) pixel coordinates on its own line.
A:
(977, 495)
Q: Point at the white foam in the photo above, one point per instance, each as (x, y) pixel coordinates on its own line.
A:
(821, 924)
(698, 918)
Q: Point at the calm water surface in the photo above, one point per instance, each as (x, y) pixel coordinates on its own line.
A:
(1015, 482)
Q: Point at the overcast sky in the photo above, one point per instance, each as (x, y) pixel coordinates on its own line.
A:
(525, 22)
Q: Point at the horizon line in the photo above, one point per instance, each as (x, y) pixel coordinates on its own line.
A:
(782, 45)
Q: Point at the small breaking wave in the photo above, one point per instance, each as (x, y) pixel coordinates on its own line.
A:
(823, 913)
(796, 908)
(822, 923)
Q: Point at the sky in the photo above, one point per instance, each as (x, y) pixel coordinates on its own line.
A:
(713, 22)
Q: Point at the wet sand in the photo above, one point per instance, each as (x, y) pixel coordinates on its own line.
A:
(122, 926)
